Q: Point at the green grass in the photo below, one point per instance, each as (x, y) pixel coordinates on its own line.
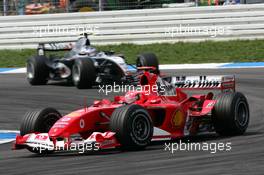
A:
(203, 52)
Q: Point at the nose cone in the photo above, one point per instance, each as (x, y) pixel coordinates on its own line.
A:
(63, 126)
(67, 125)
(56, 132)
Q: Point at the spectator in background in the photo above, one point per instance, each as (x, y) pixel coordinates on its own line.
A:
(21, 7)
(11, 7)
(231, 2)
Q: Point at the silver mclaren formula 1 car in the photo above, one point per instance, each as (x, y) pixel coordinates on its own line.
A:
(83, 65)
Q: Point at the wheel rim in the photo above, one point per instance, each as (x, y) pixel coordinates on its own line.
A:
(76, 73)
(242, 113)
(30, 71)
(141, 127)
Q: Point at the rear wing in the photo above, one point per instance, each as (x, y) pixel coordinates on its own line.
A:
(54, 46)
(218, 82)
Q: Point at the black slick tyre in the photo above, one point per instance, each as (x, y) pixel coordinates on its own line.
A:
(230, 115)
(83, 73)
(133, 126)
(37, 70)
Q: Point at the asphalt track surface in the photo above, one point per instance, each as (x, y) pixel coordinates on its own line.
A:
(246, 156)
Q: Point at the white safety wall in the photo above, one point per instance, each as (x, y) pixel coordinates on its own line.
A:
(136, 26)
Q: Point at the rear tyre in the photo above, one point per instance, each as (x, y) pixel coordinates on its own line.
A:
(148, 60)
(37, 70)
(83, 73)
(231, 114)
(133, 127)
(39, 121)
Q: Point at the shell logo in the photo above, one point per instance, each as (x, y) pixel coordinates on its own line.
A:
(177, 119)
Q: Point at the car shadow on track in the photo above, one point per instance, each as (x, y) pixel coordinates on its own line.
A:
(60, 83)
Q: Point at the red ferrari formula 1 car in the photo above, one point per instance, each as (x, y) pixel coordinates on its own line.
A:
(160, 110)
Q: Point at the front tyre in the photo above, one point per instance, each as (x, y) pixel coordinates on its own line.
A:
(231, 114)
(133, 126)
(37, 70)
(39, 121)
(83, 73)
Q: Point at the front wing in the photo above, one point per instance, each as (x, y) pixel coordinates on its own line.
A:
(96, 141)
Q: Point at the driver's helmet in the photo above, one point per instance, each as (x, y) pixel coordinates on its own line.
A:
(165, 88)
(90, 51)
